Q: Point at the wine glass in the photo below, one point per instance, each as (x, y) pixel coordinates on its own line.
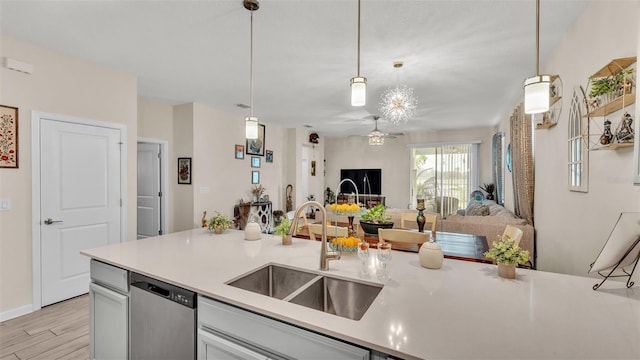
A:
(384, 255)
(363, 255)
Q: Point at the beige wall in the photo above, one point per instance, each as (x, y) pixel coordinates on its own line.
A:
(182, 194)
(572, 227)
(221, 180)
(155, 121)
(59, 85)
(394, 159)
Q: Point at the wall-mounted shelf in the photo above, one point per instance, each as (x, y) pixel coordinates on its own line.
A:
(614, 146)
(550, 118)
(615, 105)
(599, 116)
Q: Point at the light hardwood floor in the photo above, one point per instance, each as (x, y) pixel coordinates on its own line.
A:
(58, 331)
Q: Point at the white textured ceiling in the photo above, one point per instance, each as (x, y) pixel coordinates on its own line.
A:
(465, 59)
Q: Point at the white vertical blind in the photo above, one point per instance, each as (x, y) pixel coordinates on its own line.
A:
(444, 175)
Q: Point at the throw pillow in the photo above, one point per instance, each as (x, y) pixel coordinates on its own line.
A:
(477, 209)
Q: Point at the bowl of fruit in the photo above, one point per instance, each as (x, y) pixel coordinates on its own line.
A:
(345, 244)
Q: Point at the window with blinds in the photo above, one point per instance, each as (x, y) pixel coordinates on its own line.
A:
(444, 175)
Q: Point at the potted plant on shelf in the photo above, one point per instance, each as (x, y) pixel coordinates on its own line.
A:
(606, 89)
(507, 254)
(374, 219)
(219, 223)
(257, 192)
(282, 230)
(489, 189)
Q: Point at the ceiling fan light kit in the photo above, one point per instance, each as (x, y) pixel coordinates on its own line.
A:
(398, 105)
(358, 83)
(251, 122)
(536, 88)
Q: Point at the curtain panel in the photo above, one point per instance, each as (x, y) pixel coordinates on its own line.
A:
(523, 171)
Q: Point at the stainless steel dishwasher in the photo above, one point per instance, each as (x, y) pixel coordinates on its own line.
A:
(162, 320)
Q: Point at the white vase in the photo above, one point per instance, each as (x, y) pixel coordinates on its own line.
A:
(431, 255)
(252, 231)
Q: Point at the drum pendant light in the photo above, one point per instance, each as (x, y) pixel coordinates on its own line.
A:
(536, 88)
(251, 122)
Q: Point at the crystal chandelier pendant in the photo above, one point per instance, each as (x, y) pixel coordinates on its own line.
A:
(398, 105)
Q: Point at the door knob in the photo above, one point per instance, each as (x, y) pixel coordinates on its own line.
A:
(50, 221)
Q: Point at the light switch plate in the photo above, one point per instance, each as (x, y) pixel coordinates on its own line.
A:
(5, 204)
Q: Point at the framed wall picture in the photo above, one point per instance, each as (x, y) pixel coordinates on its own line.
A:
(256, 146)
(269, 156)
(255, 162)
(184, 170)
(8, 137)
(255, 177)
(239, 151)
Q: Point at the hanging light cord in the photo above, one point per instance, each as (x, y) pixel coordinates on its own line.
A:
(537, 37)
(251, 69)
(358, 38)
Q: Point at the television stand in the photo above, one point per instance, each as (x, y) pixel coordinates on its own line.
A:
(369, 201)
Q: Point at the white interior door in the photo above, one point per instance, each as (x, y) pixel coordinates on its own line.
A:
(149, 194)
(80, 202)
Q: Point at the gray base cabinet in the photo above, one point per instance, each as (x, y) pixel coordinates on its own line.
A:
(225, 331)
(108, 312)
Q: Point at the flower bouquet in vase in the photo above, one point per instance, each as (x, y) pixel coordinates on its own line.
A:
(507, 254)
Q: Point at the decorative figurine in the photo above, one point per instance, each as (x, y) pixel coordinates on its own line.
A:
(420, 219)
(607, 137)
(625, 132)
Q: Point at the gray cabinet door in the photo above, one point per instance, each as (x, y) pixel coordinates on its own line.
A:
(211, 347)
(108, 316)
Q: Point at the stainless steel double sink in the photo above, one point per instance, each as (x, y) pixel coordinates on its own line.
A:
(333, 295)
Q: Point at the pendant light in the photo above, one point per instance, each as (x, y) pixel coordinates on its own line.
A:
(398, 105)
(358, 83)
(536, 88)
(251, 122)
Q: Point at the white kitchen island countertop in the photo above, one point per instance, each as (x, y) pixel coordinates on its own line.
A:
(462, 311)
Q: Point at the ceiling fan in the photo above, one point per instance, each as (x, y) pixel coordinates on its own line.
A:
(375, 130)
(376, 137)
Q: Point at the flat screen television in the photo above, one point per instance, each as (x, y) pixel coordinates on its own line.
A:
(369, 181)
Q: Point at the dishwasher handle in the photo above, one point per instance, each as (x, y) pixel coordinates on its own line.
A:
(158, 290)
(164, 290)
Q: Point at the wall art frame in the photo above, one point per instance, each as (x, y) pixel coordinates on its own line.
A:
(256, 146)
(255, 162)
(239, 151)
(185, 172)
(9, 139)
(269, 156)
(255, 177)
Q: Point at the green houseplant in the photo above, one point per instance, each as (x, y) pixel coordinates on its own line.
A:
(219, 223)
(282, 230)
(374, 219)
(507, 254)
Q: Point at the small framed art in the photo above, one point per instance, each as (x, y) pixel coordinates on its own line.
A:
(255, 162)
(269, 156)
(255, 177)
(256, 146)
(239, 151)
(184, 171)
(8, 137)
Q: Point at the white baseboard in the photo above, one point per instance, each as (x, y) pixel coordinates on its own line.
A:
(14, 313)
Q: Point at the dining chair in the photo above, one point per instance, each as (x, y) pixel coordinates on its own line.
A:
(402, 235)
(513, 233)
(315, 230)
(302, 216)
